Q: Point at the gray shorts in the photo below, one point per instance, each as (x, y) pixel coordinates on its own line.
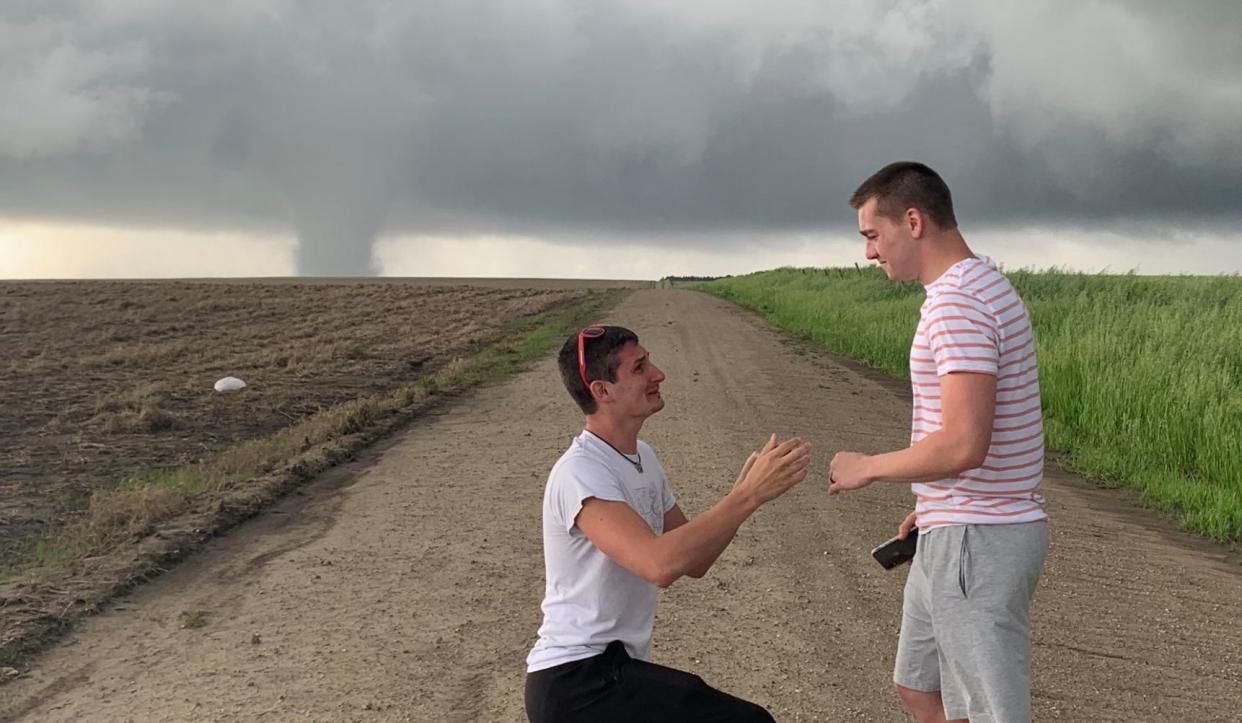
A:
(966, 623)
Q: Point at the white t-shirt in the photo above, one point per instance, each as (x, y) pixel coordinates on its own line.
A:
(589, 600)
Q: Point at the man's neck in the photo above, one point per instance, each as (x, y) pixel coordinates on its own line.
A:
(620, 433)
(940, 253)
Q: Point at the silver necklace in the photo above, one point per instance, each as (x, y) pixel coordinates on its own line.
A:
(638, 465)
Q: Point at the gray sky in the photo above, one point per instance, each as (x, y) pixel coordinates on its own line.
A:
(140, 137)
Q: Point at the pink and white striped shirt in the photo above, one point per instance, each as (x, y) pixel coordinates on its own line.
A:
(974, 321)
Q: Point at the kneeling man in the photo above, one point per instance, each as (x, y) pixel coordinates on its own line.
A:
(613, 534)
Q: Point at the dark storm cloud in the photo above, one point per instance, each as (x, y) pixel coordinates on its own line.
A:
(340, 121)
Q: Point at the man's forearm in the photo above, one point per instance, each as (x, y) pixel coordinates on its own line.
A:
(692, 548)
(936, 456)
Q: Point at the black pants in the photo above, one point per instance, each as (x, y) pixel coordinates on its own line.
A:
(612, 686)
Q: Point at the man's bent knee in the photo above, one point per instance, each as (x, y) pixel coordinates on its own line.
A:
(757, 714)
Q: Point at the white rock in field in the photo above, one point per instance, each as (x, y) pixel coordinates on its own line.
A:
(229, 384)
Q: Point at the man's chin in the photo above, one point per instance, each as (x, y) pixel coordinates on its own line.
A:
(899, 277)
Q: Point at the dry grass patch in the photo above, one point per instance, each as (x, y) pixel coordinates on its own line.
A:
(138, 411)
(141, 354)
(191, 619)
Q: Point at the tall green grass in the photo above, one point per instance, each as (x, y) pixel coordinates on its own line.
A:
(1141, 376)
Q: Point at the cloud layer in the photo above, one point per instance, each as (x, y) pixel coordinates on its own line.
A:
(581, 119)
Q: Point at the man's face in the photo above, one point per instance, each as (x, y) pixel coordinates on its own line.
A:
(889, 242)
(637, 389)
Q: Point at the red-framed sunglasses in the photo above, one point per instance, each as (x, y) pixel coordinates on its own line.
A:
(594, 331)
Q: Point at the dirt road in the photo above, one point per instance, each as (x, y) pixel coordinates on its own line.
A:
(407, 586)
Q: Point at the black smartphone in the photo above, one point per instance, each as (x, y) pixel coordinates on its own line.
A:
(897, 551)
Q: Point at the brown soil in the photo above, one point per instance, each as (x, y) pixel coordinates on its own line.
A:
(106, 379)
(406, 587)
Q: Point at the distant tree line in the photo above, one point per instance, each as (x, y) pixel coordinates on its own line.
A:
(670, 281)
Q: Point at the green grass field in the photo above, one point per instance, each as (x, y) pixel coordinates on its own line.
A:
(1141, 376)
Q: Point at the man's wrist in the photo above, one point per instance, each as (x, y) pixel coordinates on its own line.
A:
(743, 499)
(872, 466)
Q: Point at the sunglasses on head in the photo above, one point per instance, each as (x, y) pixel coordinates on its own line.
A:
(594, 331)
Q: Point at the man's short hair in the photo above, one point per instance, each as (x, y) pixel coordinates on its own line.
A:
(906, 184)
(603, 355)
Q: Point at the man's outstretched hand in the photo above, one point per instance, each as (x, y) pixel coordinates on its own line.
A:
(774, 469)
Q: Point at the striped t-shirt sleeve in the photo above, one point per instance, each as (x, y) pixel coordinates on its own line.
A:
(962, 334)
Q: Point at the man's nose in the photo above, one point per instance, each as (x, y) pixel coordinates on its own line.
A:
(871, 254)
(659, 374)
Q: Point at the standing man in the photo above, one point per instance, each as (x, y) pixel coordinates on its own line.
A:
(613, 534)
(976, 459)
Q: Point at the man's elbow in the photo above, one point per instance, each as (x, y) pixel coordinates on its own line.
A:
(661, 575)
(663, 580)
(972, 455)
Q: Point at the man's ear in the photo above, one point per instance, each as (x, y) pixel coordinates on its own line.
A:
(915, 222)
(600, 393)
